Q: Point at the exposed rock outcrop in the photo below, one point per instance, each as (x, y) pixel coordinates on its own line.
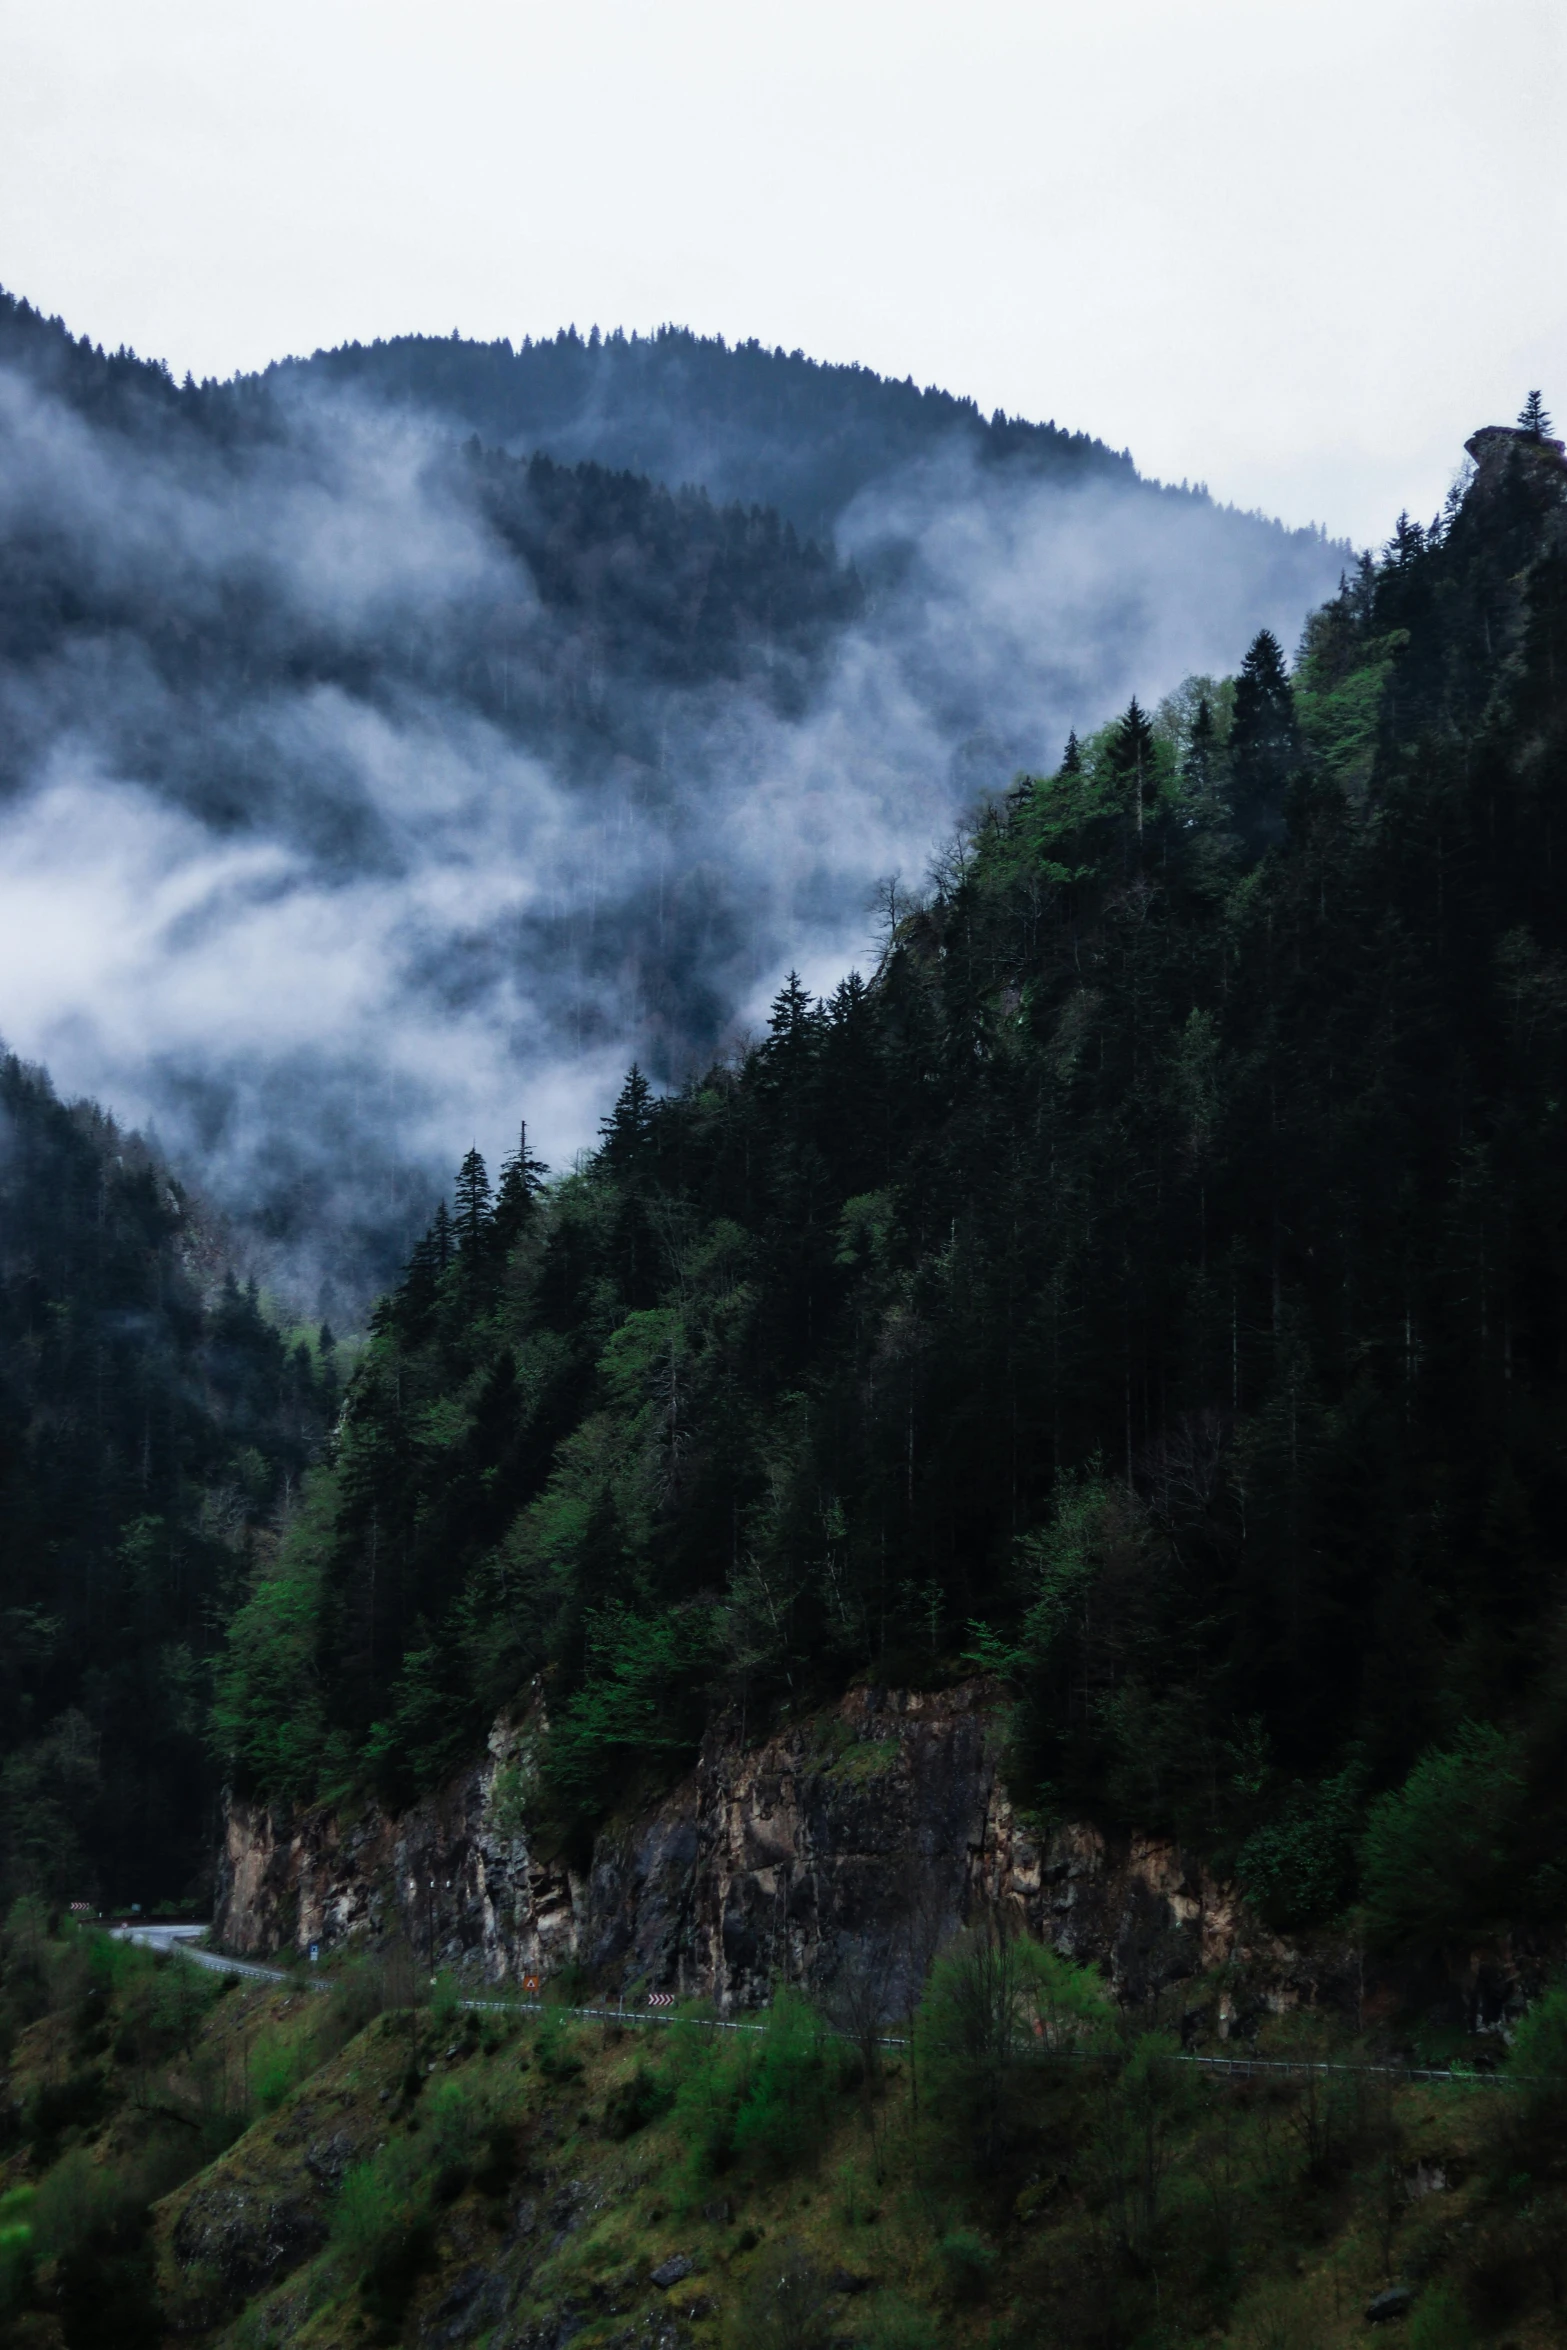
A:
(1496, 444)
(856, 1839)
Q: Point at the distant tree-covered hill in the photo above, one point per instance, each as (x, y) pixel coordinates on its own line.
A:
(645, 583)
(1149, 1284)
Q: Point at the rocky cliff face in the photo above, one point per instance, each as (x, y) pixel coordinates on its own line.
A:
(848, 1846)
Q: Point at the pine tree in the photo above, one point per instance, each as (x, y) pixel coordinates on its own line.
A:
(427, 1261)
(1132, 759)
(1533, 420)
(474, 1207)
(1202, 752)
(626, 1131)
(1408, 542)
(517, 1193)
(1202, 771)
(1264, 741)
(789, 1021)
(1071, 757)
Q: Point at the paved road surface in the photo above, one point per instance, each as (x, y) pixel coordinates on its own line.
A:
(184, 1939)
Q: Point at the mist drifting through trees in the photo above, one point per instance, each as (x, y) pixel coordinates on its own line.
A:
(375, 755)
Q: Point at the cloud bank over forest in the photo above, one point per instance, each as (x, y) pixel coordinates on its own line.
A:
(363, 789)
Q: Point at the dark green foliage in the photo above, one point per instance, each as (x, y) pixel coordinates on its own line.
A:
(106, 2292)
(967, 2264)
(786, 2304)
(639, 2099)
(742, 2105)
(1440, 1854)
(1537, 2059)
(1532, 418)
(517, 1195)
(405, 2254)
(790, 2087)
(1264, 741)
(1153, 1284)
(494, 2173)
(59, 2107)
(626, 1131)
(150, 1430)
(1134, 762)
(997, 2005)
(118, 2113)
(1299, 1867)
(599, 618)
(558, 2059)
(475, 1206)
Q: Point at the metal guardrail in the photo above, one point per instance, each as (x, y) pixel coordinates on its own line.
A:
(1230, 2067)
(1463, 2076)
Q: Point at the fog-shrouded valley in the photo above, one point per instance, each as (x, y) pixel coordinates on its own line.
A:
(783, 1371)
(413, 736)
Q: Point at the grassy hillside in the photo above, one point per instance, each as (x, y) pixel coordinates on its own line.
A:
(424, 2174)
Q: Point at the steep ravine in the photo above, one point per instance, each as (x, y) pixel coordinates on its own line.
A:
(864, 1833)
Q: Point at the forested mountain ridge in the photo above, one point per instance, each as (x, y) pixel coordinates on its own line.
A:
(151, 1422)
(1148, 1285)
(747, 421)
(654, 582)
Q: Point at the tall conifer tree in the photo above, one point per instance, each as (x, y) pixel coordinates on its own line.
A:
(625, 1132)
(517, 1193)
(1264, 741)
(1533, 419)
(1133, 759)
(473, 1203)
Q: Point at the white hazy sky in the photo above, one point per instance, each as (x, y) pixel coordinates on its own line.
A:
(1296, 250)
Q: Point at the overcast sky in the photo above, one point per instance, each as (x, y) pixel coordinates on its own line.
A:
(1296, 250)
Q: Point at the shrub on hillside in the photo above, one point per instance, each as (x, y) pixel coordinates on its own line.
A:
(791, 2084)
(967, 2264)
(1299, 1869)
(634, 2102)
(998, 2005)
(1437, 1856)
(1537, 2062)
(786, 2304)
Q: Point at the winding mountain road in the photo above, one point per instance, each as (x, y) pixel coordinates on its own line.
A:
(185, 1940)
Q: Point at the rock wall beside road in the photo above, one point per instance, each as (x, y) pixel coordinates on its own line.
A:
(853, 1840)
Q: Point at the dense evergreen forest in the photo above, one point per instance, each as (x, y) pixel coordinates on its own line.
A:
(635, 584)
(1148, 1286)
(751, 423)
(152, 1422)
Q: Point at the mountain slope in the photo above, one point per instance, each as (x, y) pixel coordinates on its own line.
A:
(1150, 1284)
(151, 1423)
